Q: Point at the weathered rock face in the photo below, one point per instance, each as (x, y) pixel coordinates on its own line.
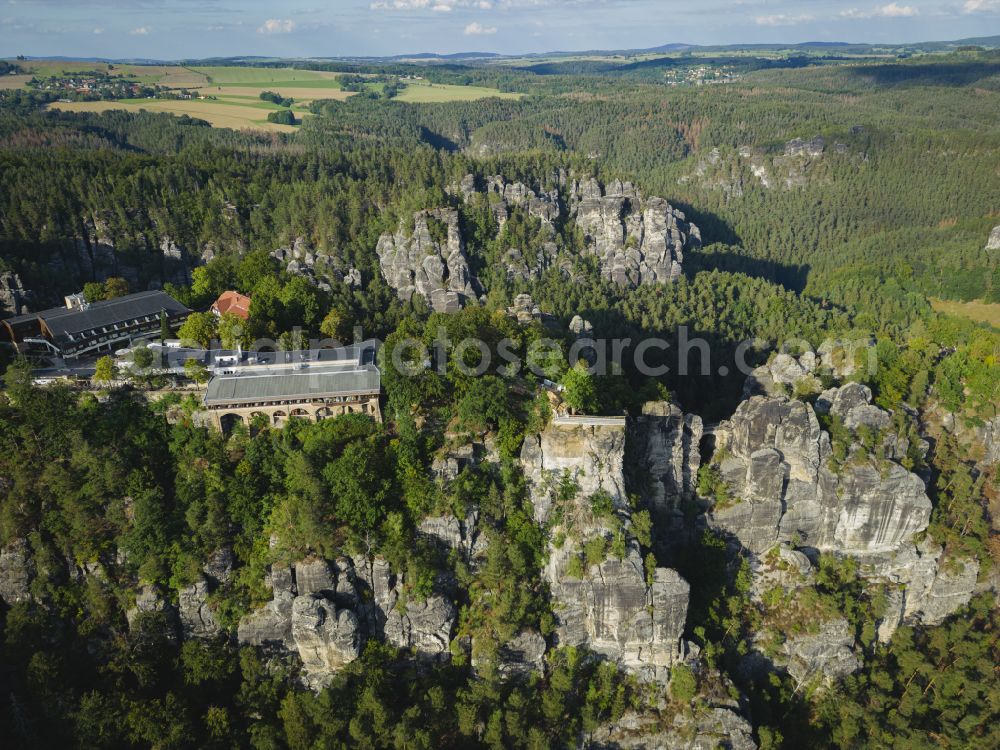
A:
(993, 243)
(149, 601)
(638, 241)
(591, 456)
(271, 625)
(193, 606)
(424, 626)
(822, 656)
(737, 172)
(785, 488)
(17, 571)
(197, 620)
(716, 726)
(438, 270)
(326, 638)
(519, 657)
(320, 268)
(924, 585)
(324, 611)
(462, 535)
(663, 461)
(776, 465)
(14, 298)
(608, 606)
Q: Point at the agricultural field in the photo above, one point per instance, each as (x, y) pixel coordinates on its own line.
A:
(221, 114)
(977, 310)
(235, 92)
(424, 92)
(14, 81)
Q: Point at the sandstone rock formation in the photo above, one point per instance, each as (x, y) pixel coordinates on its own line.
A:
(776, 463)
(717, 725)
(14, 298)
(324, 611)
(663, 453)
(993, 243)
(318, 267)
(17, 571)
(611, 604)
(435, 268)
(784, 487)
(637, 241)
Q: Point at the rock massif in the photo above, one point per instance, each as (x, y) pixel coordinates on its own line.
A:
(636, 240)
(662, 466)
(786, 487)
(776, 463)
(431, 264)
(603, 600)
(324, 611)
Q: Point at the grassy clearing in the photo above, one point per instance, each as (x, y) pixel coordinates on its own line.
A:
(977, 310)
(422, 92)
(220, 114)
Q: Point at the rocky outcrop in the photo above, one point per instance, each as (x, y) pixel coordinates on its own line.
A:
(271, 625)
(993, 243)
(776, 462)
(822, 656)
(193, 605)
(320, 268)
(663, 460)
(326, 638)
(197, 620)
(785, 486)
(737, 171)
(717, 725)
(924, 585)
(17, 571)
(604, 600)
(462, 535)
(431, 264)
(149, 601)
(521, 656)
(14, 298)
(423, 626)
(323, 611)
(636, 240)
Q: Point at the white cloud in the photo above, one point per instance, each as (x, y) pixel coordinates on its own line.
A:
(782, 19)
(981, 6)
(141, 31)
(277, 26)
(892, 10)
(98, 30)
(895, 10)
(477, 29)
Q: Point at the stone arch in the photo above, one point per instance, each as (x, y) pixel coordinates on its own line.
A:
(279, 417)
(324, 412)
(299, 412)
(230, 420)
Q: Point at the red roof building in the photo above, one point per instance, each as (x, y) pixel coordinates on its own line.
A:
(232, 302)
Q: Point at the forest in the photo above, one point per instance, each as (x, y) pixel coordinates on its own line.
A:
(834, 200)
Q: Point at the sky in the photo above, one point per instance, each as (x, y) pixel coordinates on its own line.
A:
(175, 29)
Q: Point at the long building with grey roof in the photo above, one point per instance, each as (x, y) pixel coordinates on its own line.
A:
(80, 328)
(344, 381)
